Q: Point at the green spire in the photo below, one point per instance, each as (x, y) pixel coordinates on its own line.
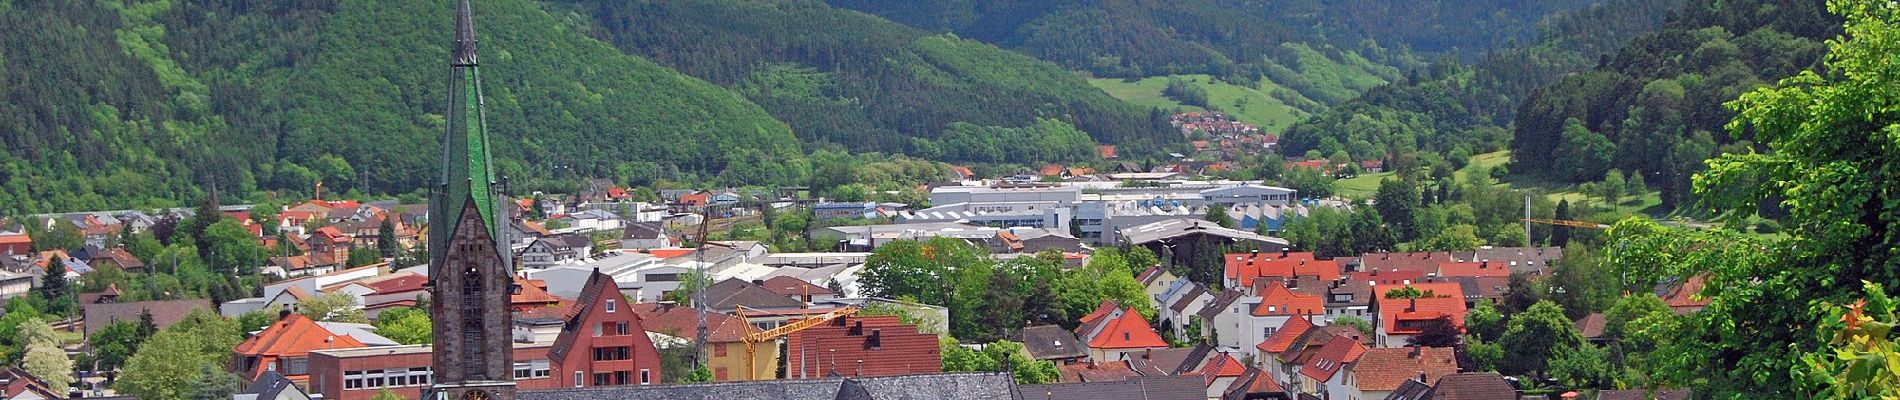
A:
(467, 169)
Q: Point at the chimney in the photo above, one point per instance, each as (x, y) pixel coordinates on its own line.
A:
(1484, 265)
(1413, 307)
(857, 328)
(283, 313)
(1148, 354)
(1415, 352)
(1285, 252)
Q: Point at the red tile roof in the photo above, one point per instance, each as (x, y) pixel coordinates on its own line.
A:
(683, 321)
(1222, 365)
(1686, 296)
(1385, 369)
(866, 346)
(292, 336)
(1473, 269)
(1283, 338)
(1394, 311)
(1336, 353)
(1127, 331)
(1095, 317)
(669, 253)
(1245, 267)
(1276, 300)
(1386, 277)
(1051, 170)
(1408, 261)
(1430, 289)
(533, 293)
(963, 171)
(398, 283)
(1112, 371)
(1105, 151)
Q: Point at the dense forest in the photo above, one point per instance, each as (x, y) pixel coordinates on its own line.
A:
(866, 84)
(152, 103)
(1237, 40)
(1656, 106)
(1457, 110)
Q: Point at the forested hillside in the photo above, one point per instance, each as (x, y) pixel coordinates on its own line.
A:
(1236, 40)
(1460, 110)
(147, 103)
(866, 84)
(1656, 106)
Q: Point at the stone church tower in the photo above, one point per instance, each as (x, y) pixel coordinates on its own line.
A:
(469, 271)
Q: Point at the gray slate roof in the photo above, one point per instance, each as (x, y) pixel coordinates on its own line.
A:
(970, 386)
(1138, 388)
(1051, 342)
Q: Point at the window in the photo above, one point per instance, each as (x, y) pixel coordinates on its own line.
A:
(419, 376)
(621, 328)
(577, 379)
(610, 306)
(622, 378)
(646, 376)
(602, 379)
(612, 353)
(719, 350)
(596, 330)
(297, 366)
(352, 380)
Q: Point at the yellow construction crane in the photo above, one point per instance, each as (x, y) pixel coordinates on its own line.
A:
(1568, 223)
(753, 339)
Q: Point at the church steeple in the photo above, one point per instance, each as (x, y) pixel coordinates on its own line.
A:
(469, 273)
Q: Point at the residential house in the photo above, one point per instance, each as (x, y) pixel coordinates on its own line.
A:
(862, 346)
(1181, 304)
(1321, 376)
(1591, 328)
(533, 293)
(284, 347)
(1487, 385)
(733, 293)
(331, 241)
(797, 289)
(303, 265)
(1684, 296)
(272, 386)
(1277, 306)
(1112, 332)
(727, 354)
(1220, 372)
(556, 250)
(17, 384)
(1156, 281)
(1380, 372)
(644, 235)
(603, 341)
(118, 257)
(1534, 261)
(1400, 319)
(1255, 384)
(1051, 343)
(15, 243)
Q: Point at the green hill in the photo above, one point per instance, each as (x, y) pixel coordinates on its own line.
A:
(1248, 104)
(146, 103)
(855, 81)
(1298, 44)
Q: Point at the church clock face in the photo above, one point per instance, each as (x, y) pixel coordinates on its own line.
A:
(475, 395)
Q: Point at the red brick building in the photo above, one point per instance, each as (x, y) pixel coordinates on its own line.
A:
(358, 374)
(862, 346)
(601, 344)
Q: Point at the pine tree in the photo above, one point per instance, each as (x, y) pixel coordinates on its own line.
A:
(1560, 235)
(53, 289)
(386, 238)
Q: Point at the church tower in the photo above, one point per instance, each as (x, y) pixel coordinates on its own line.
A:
(469, 271)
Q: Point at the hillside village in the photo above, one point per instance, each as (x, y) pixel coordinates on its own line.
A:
(625, 281)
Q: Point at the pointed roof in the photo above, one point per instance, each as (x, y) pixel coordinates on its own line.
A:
(1334, 355)
(464, 34)
(1277, 300)
(1283, 338)
(294, 335)
(467, 177)
(1387, 369)
(1126, 331)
